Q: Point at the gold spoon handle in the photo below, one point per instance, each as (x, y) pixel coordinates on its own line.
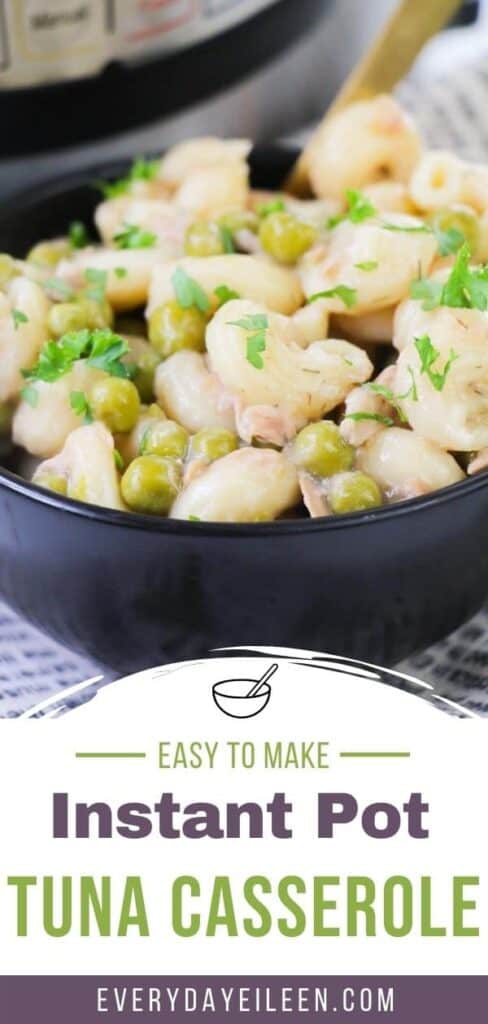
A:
(391, 55)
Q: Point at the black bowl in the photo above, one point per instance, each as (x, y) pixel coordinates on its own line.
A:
(133, 591)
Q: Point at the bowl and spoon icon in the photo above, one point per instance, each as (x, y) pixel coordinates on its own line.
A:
(243, 698)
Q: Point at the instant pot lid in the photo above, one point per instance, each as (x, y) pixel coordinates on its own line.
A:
(122, 96)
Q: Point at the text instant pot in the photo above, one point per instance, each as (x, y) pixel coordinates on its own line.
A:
(325, 905)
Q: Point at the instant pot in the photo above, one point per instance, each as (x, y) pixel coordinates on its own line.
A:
(88, 80)
(93, 68)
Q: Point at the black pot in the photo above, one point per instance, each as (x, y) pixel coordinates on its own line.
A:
(134, 591)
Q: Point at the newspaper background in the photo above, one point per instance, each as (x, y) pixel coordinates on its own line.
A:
(451, 114)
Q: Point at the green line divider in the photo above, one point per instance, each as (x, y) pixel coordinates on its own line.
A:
(94, 754)
(374, 753)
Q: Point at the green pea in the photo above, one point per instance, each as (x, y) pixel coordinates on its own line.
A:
(51, 481)
(321, 449)
(151, 484)
(164, 437)
(172, 328)
(240, 220)
(116, 402)
(8, 269)
(154, 410)
(285, 237)
(99, 314)
(458, 218)
(146, 366)
(204, 238)
(74, 316)
(48, 254)
(354, 492)
(211, 444)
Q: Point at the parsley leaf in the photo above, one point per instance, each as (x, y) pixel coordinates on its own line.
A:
(77, 234)
(188, 292)
(97, 279)
(120, 272)
(449, 241)
(427, 290)
(341, 291)
(19, 317)
(194, 519)
(131, 236)
(101, 348)
(389, 395)
(465, 288)
(57, 287)
(257, 322)
(256, 343)
(367, 265)
(30, 395)
(428, 355)
(257, 326)
(359, 208)
(141, 170)
(225, 294)
(359, 417)
(227, 238)
(408, 229)
(274, 206)
(81, 406)
(106, 350)
(119, 462)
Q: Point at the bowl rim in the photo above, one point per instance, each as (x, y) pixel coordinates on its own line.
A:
(20, 201)
(277, 528)
(240, 696)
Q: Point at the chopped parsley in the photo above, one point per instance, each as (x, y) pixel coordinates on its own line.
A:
(341, 291)
(256, 326)
(188, 292)
(120, 272)
(368, 265)
(359, 417)
(101, 348)
(391, 398)
(449, 241)
(429, 355)
(19, 317)
(78, 235)
(427, 291)
(30, 395)
(227, 238)
(409, 229)
(97, 281)
(274, 206)
(389, 395)
(131, 236)
(57, 287)
(465, 288)
(225, 294)
(141, 170)
(359, 208)
(81, 406)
